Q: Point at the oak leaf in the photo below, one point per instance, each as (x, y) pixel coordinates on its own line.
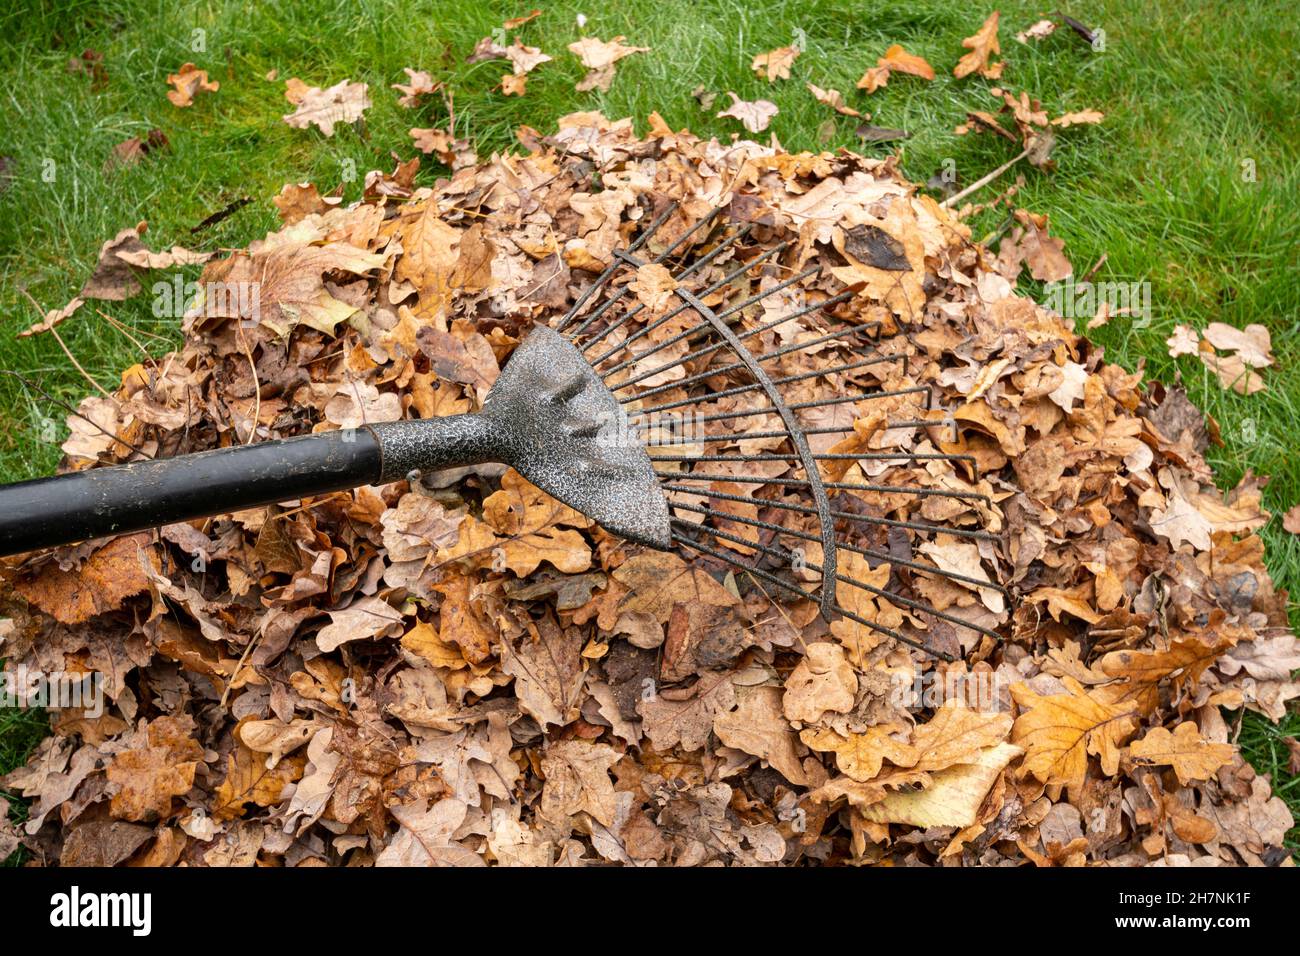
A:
(159, 765)
(1059, 731)
(775, 64)
(982, 46)
(755, 115)
(188, 81)
(344, 102)
(1191, 755)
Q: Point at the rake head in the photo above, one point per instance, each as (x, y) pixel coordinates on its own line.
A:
(774, 412)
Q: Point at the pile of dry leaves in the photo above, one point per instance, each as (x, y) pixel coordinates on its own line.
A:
(467, 672)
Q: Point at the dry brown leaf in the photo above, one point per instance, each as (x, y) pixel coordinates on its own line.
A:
(755, 115)
(189, 81)
(775, 64)
(1059, 731)
(113, 572)
(982, 46)
(158, 766)
(344, 102)
(1190, 754)
(832, 98)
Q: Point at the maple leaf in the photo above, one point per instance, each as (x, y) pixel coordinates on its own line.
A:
(344, 102)
(1190, 754)
(982, 46)
(755, 115)
(158, 766)
(113, 572)
(775, 64)
(188, 82)
(1058, 732)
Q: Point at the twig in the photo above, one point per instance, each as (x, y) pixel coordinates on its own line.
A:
(983, 180)
(66, 351)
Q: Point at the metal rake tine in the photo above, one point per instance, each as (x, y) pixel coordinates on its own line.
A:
(765, 357)
(838, 485)
(673, 313)
(842, 515)
(619, 253)
(736, 436)
(844, 545)
(907, 602)
(804, 593)
(685, 273)
(843, 399)
(843, 456)
(725, 313)
(785, 380)
(605, 276)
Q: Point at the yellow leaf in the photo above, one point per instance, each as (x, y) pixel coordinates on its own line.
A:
(1191, 755)
(1059, 731)
(953, 797)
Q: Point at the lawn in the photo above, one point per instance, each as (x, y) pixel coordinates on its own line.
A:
(1190, 183)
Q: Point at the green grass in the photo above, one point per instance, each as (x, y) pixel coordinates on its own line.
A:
(1191, 92)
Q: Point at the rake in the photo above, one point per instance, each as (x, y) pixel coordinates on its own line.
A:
(708, 418)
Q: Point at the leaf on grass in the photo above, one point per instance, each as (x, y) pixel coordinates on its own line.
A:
(775, 64)
(419, 83)
(895, 60)
(599, 57)
(189, 81)
(832, 98)
(1184, 341)
(755, 115)
(982, 46)
(344, 102)
(1081, 118)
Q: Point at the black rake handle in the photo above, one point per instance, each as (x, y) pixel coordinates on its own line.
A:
(117, 500)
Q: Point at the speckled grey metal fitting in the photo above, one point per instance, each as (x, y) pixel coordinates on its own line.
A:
(553, 420)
